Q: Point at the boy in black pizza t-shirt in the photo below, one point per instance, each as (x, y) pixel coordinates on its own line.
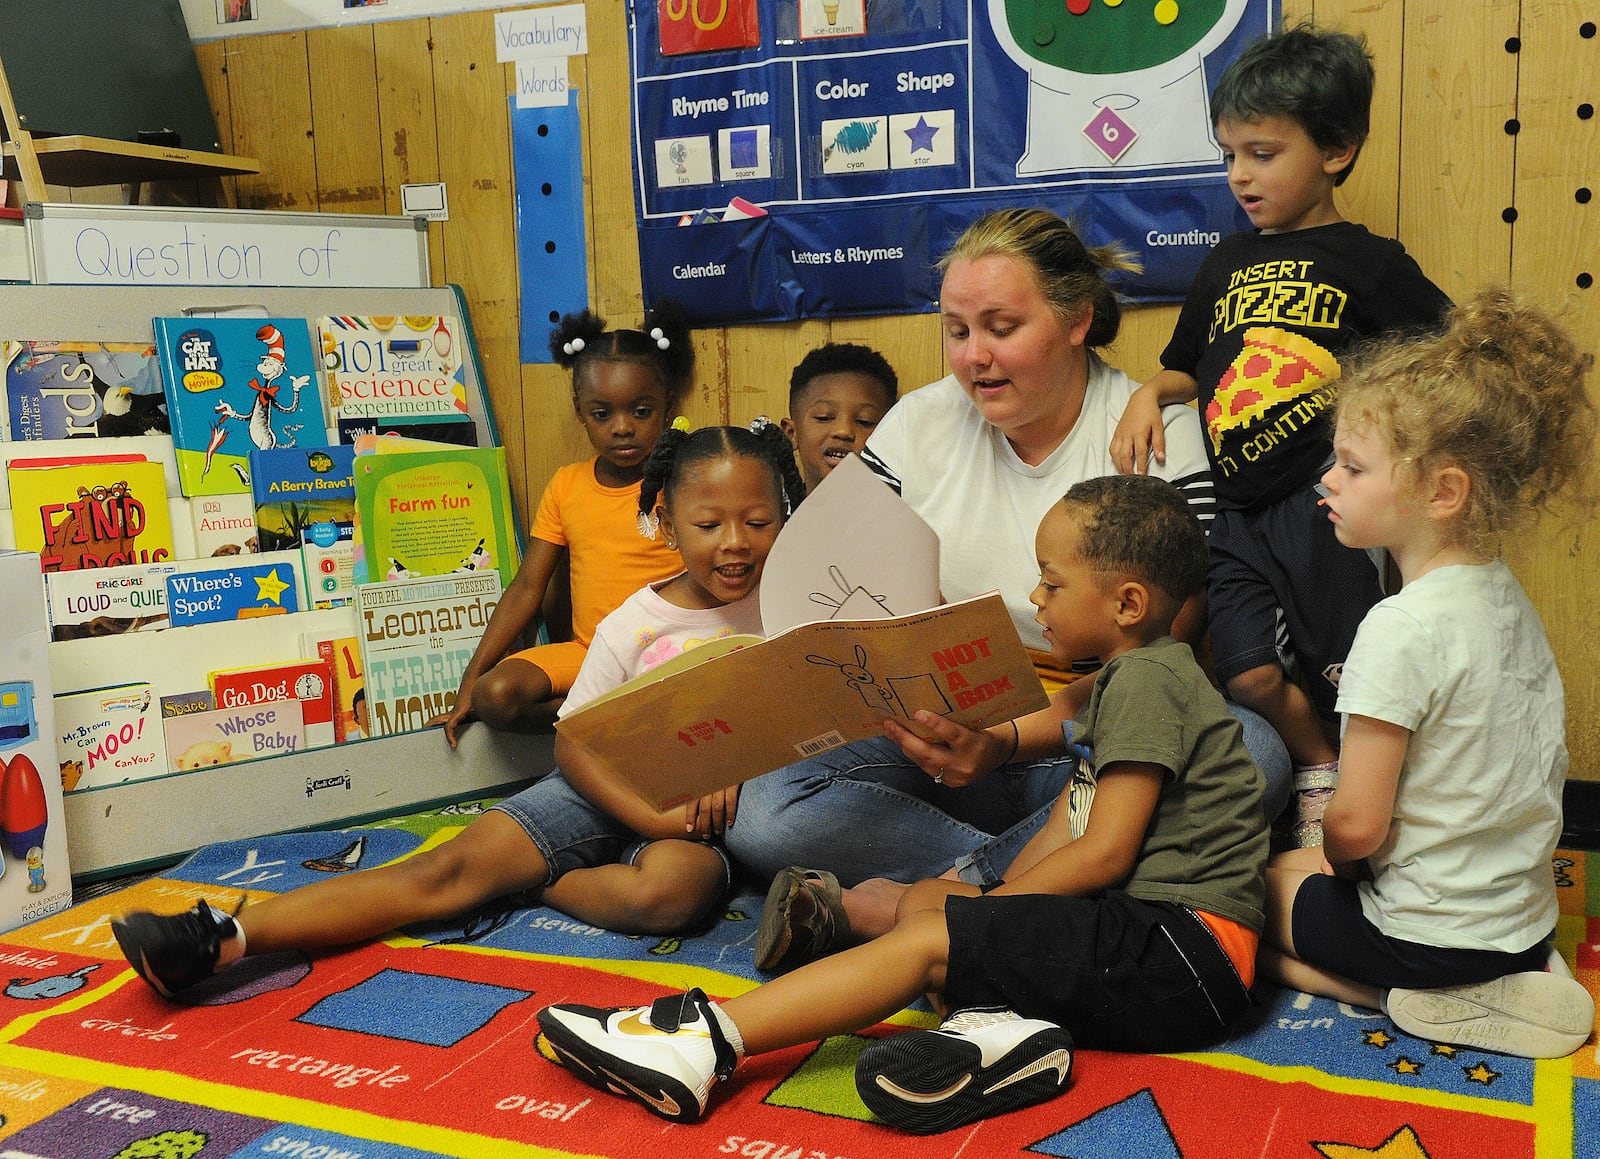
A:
(1258, 343)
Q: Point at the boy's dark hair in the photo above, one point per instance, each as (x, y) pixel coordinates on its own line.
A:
(677, 450)
(844, 358)
(1322, 80)
(581, 339)
(1141, 526)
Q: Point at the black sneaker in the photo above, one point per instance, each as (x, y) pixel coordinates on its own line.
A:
(980, 1062)
(173, 951)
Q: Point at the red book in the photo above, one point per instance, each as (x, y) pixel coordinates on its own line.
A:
(308, 681)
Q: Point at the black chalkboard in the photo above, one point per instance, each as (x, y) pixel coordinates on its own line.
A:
(123, 69)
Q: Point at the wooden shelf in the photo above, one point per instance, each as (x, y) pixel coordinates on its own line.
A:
(78, 160)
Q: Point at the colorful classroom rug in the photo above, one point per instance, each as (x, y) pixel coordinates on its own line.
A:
(421, 1045)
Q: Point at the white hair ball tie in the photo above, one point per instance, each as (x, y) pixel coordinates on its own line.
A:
(572, 346)
(660, 338)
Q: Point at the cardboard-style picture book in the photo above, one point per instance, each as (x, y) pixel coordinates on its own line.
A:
(309, 681)
(343, 654)
(151, 448)
(234, 385)
(223, 735)
(417, 637)
(108, 735)
(236, 588)
(306, 500)
(854, 634)
(35, 875)
(64, 390)
(429, 513)
(388, 367)
(108, 601)
(91, 514)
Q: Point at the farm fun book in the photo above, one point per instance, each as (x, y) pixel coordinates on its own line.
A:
(66, 390)
(417, 637)
(234, 385)
(92, 513)
(306, 500)
(428, 513)
(738, 707)
(384, 372)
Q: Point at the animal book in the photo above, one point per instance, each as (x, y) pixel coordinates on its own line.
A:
(108, 735)
(308, 681)
(90, 513)
(234, 385)
(855, 634)
(306, 500)
(223, 735)
(387, 368)
(107, 601)
(417, 637)
(427, 513)
(65, 390)
(223, 525)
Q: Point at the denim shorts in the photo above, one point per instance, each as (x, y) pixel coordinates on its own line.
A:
(572, 834)
(1119, 972)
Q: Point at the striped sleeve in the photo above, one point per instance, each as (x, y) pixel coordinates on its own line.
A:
(882, 471)
(1198, 489)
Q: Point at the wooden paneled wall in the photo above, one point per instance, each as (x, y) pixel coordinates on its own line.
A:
(1481, 151)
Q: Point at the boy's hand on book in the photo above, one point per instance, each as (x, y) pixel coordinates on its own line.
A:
(711, 815)
(952, 754)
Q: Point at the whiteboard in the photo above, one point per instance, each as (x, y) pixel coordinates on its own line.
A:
(138, 245)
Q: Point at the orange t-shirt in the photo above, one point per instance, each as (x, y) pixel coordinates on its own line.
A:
(599, 527)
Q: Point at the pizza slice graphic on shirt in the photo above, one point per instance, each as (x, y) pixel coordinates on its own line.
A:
(1275, 366)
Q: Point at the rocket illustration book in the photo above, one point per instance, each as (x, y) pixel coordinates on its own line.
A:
(235, 385)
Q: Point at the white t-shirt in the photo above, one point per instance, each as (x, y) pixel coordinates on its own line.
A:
(1459, 657)
(961, 475)
(646, 630)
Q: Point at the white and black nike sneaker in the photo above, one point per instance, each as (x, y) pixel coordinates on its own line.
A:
(666, 1056)
(980, 1062)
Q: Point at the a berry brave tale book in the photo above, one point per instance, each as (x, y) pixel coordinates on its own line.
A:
(234, 385)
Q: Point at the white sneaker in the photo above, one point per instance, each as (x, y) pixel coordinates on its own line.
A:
(1537, 1014)
(980, 1062)
(666, 1056)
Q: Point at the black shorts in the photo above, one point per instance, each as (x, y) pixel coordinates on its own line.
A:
(1285, 558)
(1332, 933)
(1119, 973)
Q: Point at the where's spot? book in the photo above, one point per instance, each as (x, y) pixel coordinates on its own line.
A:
(234, 385)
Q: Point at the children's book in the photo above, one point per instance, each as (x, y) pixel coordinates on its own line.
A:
(434, 513)
(91, 514)
(223, 735)
(185, 703)
(107, 601)
(306, 500)
(64, 390)
(234, 385)
(388, 367)
(151, 448)
(235, 588)
(343, 654)
(460, 432)
(854, 636)
(308, 681)
(109, 735)
(417, 637)
(223, 525)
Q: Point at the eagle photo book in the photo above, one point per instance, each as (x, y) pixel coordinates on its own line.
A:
(65, 390)
(855, 633)
(234, 385)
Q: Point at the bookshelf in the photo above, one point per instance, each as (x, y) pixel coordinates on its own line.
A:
(117, 828)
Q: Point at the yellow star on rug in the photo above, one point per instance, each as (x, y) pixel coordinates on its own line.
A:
(1377, 1038)
(1443, 1050)
(1480, 1074)
(1404, 1065)
(270, 588)
(1403, 1144)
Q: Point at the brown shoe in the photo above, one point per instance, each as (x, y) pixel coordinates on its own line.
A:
(803, 919)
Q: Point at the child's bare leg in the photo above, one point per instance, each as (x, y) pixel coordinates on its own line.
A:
(515, 696)
(1268, 690)
(1277, 959)
(669, 888)
(491, 856)
(871, 906)
(845, 992)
